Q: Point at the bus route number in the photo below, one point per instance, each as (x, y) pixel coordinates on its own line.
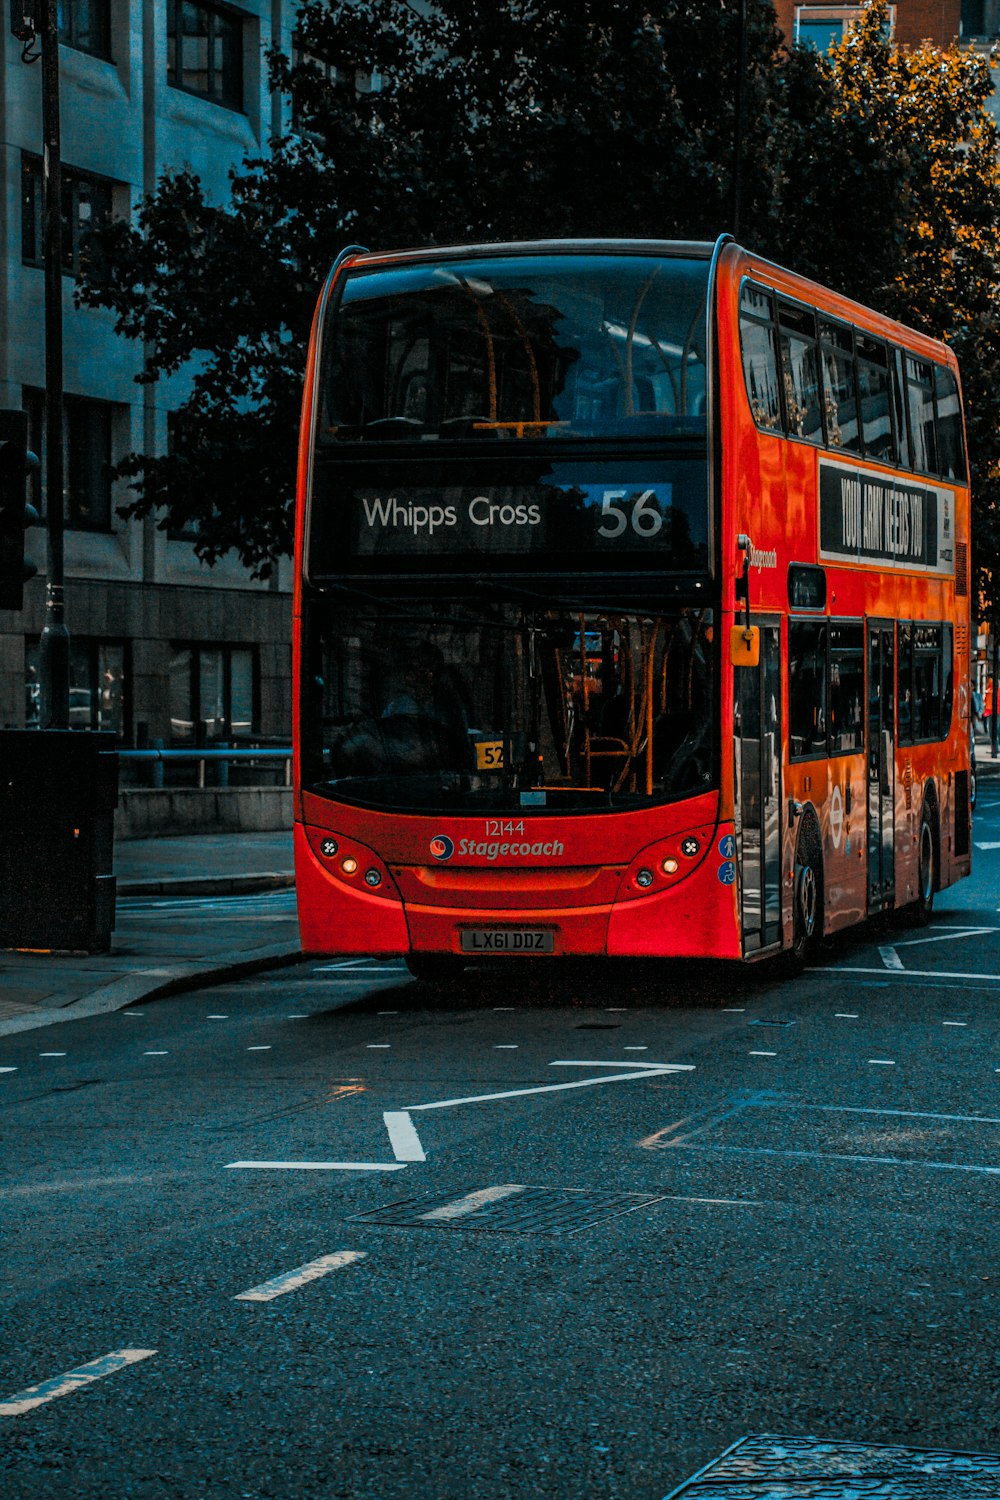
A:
(489, 755)
(497, 827)
(645, 518)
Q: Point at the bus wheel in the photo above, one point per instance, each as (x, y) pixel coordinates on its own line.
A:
(807, 898)
(921, 910)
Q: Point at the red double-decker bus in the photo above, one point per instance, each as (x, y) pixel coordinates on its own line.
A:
(632, 613)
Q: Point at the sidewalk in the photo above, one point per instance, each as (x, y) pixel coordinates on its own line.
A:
(183, 920)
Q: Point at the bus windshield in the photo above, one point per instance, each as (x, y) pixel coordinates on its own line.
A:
(517, 348)
(495, 707)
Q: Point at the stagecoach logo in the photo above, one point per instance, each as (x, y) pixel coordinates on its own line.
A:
(759, 559)
(442, 846)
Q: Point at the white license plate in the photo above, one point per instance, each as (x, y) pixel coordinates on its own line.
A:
(508, 940)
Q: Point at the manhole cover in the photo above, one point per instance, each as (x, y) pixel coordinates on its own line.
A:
(782, 1468)
(510, 1208)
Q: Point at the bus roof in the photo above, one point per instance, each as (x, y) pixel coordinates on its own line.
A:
(686, 249)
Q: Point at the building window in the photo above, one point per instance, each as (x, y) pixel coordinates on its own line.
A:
(205, 52)
(86, 25)
(87, 202)
(823, 26)
(98, 681)
(214, 692)
(87, 439)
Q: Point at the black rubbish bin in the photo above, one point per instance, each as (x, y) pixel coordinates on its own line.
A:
(58, 793)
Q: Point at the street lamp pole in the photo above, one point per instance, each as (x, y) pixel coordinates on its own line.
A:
(739, 95)
(55, 635)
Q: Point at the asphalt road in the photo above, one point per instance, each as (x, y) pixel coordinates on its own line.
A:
(603, 1271)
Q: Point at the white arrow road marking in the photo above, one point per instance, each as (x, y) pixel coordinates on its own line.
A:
(403, 1137)
(642, 1070)
(291, 1280)
(471, 1202)
(73, 1380)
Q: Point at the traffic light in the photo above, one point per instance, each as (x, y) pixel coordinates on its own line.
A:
(16, 514)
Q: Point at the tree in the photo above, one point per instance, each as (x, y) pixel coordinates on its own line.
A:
(871, 168)
(506, 119)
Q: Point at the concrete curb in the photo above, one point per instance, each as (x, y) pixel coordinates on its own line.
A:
(207, 885)
(155, 984)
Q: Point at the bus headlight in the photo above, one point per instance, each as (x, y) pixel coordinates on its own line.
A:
(644, 878)
(373, 877)
(670, 866)
(349, 865)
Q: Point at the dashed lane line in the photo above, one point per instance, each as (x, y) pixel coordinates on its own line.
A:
(301, 1276)
(315, 1166)
(73, 1380)
(471, 1202)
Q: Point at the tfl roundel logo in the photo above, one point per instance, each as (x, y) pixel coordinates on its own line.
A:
(442, 846)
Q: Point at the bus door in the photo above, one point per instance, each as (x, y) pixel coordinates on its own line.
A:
(757, 739)
(881, 749)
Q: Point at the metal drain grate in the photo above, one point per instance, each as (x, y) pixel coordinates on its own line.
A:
(766, 1468)
(511, 1208)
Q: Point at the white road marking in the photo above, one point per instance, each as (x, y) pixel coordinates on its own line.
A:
(643, 1070)
(504, 1007)
(613, 1062)
(990, 844)
(736, 1202)
(882, 1062)
(471, 1202)
(379, 1046)
(216, 1018)
(73, 1380)
(133, 1012)
(910, 973)
(505, 1046)
(388, 1012)
(890, 958)
(954, 1023)
(52, 1054)
(301, 1016)
(763, 1054)
(156, 1054)
(635, 1049)
(8, 1070)
(733, 1010)
(261, 1048)
(358, 969)
(950, 935)
(403, 1137)
(846, 1015)
(292, 1280)
(319, 1166)
(616, 1010)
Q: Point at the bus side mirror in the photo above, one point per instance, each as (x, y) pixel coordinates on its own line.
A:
(744, 645)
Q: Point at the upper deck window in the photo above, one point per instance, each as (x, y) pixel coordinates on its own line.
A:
(514, 348)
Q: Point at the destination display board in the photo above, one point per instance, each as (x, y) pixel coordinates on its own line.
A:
(886, 521)
(585, 514)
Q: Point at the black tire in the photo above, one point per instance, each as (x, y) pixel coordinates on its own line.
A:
(807, 898)
(921, 910)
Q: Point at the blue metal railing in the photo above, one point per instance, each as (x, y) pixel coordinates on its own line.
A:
(219, 755)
